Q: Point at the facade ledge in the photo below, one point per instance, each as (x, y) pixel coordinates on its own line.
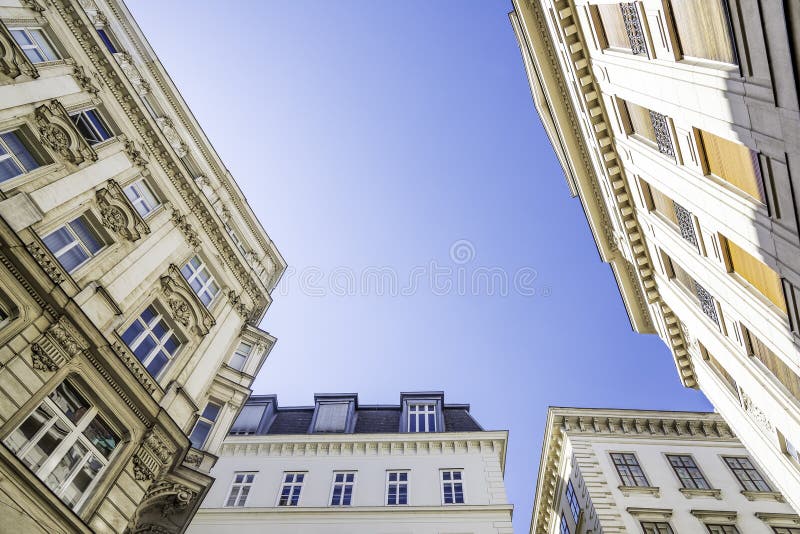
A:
(366, 510)
(779, 520)
(763, 496)
(691, 493)
(627, 491)
(650, 514)
(715, 516)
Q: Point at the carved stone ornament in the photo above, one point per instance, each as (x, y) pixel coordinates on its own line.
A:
(13, 61)
(57, 346)
(174, 139)
(238, 304)
(46, 261)
(134, 154)
(118, 214)
(135, 366)
(153, 456)
(83, 79)
(755, 412)
(33, 5)
(58, 132)
(132, 73)
(193, 458)
(185, 306)
(186, 229)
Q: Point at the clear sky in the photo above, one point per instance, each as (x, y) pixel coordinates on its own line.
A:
(401, 136)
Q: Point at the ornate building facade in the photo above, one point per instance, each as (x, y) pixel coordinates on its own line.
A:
(421, 467)
(626, 471)
(133, 277)
(677, 124)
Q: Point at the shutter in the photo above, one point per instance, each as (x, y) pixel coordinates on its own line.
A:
(663, 204)
(760, 276)
(331, 417)
(703, 29)
(734, 163)
(613, 26)
(772, 361)
(641, 123)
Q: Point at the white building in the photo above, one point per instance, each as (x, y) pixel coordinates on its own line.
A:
(421, 467)
(677, 123)
(652, 472)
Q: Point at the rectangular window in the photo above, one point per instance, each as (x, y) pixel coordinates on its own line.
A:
(756, 273)
(422, 418)
(675, 213)
(203, 284)
(721, 371)
(747, 474)
(722, 529)
(572, 499)
(248, 420)
(651, 127)
(331, 417)
(786, 530)
(650, 527)
(782, 372)
(152, 340)
(734, 163)
(629, 470)
(342, 490)
(703, 298)
(74, 243)
(290, 489)
(621, 27)
(105, 36)
(689, 474)
(204, 425)
(141, 197)
(15, 156)
(35, 44)
(240, 355)
(91, 126)
(452, 486)
(396, 487)
(65, 443)
(564, 525)
(240, 489)
(703, 29)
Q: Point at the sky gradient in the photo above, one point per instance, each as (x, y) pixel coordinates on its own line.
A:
(401, 138)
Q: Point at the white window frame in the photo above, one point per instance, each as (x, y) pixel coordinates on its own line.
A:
(414, 411)
(9, 154)
(235, 237)
(239, 354)
(143, 197)
(292, 485)
(206, 285)
(37, 45)
(344, 484)
(452, 482)
(148, 332)
(77, 242)
(399, 483)
(242, 489)
(98, 136)
(75, 435)
(203, 419)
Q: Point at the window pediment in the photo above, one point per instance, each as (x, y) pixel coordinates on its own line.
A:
(13, 62)
(58, 132)
(118, 214)
(185, 307)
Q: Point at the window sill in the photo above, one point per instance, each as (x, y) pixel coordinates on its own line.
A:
(763, 496)
(691, 493)
(627, 491)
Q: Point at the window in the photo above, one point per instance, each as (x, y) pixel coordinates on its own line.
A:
(15, 156)
(105, 36)
(152, 340)
(720, 370)
(65, 443)
(689, 474)
(702, 297)
(722, 529)
(703, 29)
(74, 243)
(236, 240)
(650, 126)
(621, 27)
(572, 499)
(203, 284)
(452, 487)
(396, 487)
(786, 530)
(240, 355)
(630, 473)
(760, 276)
(35, 44)
(91, 126)
(141, 197)
(672, 211)
(734, 163)
(564, 526)
(4, 317)
(331, 417)
(422, 418)
(342, 490)
(240, 489)
(747, 474)
(782, 372)
(290, 489)
(248, 420)
(204, 424)
(649, 527)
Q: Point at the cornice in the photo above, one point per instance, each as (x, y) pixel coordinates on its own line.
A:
(351, 511)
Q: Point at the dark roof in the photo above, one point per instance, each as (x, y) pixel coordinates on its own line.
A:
(363, 419)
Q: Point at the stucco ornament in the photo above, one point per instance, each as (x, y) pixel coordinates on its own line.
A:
(58, 132)
(132, 73)
(118, 214)
(13, 62)
(186, 229)
(57, 346)
(173, 138)
(185, 306)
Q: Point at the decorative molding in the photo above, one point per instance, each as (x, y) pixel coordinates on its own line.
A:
(32, 5)
(756, 413)
(153, 456)
(763, 496)
(633, 27)
(47, 262)
(135, 366)
(715, 516)
(132, 72)
(643, 425)
(657, 514)
(58, 132)
(172, 136)
(84, 81)
(57, 346)
(691, 493)
(779, 520)
(134, 154)
(238, 304)
(186, 229)
(663, 138)
(101, 367)
(685, 224)
(118, 214)
(186, 307)
(193, 458)
(627, 491)
(13, 61)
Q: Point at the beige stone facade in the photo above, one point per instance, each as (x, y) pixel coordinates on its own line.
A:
(626, 471)
(133, 277)
(678, 127)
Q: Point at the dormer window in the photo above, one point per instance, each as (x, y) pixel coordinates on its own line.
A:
(422, 418)
(255, 416)
(422, 412)
(334, 413)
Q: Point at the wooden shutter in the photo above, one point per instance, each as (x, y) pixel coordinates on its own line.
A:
(663, 204)
(780, 370)
(760, 276)
(613, 26)
(331, 417)
(641, 123)
(703, 29)
(734, 163)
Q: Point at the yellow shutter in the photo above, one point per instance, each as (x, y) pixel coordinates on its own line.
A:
(613, 26)
(641, 123)
(773, 362)
(663, 204)
(703, 30)
(734, 163)
(760, 276)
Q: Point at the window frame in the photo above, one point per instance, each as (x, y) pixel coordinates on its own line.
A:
(206, 420)
(246, 358)
(452, 482)
(92, 126)
(427, 416)
(721, 528)
(344, 484)
(753, 467)
(160, 342)
(196, 273)
(108, 39)
(37, 45)
(627, 465)
(693, 479)
(238, 502)
(564, 526)
(657, 526)
(294, 484)
(20, 133)
(574, 506)
(87, 220)
(142, 193)
(399, 483)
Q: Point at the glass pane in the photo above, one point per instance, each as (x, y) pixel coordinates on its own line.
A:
(211, 411)
(103, 439)
(148, 314)
(72, 258)
(85, 234)
(145, 348)
(83, 479)
(65, 466)
(46, 445)
(132, 332)
(44, 45)
(172, 344)
(21, 37)
(9, 169)
(186, 271)
(199, 434)
(69, 401)
(20, 151)
(33, 55)
(157, 364)
(29, 427)
(101, 129)
(160, 329)
(58, 239)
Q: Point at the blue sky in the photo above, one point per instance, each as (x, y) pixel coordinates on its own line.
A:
(390, 135)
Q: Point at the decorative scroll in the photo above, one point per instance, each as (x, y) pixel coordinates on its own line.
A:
(57, 346)
(132, 73)
(173, 138)
(58, 132)
(633, 27)
(118, 215)
(706, 302)
(685, 224)
(13, 61)
(663, 139)
(184, 305)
